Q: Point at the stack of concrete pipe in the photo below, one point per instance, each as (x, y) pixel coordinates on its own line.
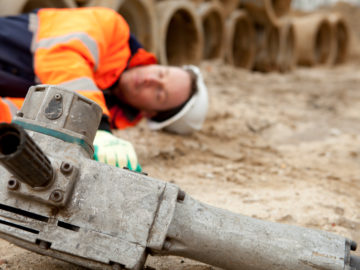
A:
(251, 34)
(341, 37)
(287, 57)
(284, 41)
(313, 33)
(240, 40)
(323, 39)
(274, 34)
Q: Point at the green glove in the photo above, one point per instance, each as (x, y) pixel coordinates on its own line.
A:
(115, 151)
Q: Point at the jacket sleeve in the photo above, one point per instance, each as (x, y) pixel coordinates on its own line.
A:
(70, 65)
(84, 50)
(8, 108)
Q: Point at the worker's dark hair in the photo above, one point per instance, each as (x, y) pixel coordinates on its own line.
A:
(193, 80)
(164, 115)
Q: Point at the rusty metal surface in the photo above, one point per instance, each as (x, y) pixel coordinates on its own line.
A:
(57, 193)
(233, 241)
(92, 222)
(114, 217)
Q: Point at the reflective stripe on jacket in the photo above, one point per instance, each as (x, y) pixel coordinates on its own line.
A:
(84, 49)
(93, 45)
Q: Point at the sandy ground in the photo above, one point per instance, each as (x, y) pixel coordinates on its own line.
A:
(278, 147)
(283, 148)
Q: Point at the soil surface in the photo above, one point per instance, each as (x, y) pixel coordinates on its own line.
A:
(278, 147)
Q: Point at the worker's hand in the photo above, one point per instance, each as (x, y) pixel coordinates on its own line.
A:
(114, 151)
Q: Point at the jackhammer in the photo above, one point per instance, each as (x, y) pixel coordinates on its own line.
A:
(55, 200)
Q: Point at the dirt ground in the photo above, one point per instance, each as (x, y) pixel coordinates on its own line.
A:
(278, 147)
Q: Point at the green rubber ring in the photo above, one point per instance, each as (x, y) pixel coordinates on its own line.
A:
(57, 134)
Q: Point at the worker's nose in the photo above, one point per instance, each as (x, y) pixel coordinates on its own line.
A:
(151, 79)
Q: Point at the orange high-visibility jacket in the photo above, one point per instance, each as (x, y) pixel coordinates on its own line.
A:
(85, 50)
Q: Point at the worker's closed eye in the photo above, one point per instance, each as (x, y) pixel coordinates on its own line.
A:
(160, 95)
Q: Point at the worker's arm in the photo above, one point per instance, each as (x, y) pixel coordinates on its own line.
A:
(71, 66)
(84, 50)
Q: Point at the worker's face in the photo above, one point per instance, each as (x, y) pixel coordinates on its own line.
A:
(154, 88)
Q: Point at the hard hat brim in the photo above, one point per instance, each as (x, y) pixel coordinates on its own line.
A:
(181, 122)
(159, 125)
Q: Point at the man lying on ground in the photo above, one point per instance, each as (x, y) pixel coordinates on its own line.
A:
(91, 51)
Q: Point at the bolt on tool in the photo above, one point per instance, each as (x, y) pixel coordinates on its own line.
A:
(55, 200)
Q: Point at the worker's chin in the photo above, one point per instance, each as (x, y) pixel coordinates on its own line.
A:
(131, 99)
(148, 114)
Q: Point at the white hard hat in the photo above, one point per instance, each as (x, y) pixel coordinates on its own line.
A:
(192, 115)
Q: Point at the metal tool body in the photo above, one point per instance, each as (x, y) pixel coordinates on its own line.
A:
(103, 217)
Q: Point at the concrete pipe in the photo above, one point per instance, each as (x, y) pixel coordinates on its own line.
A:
(140, 15)
(113, 4)
(213, 26)
(24, 6)
(180, 33)
(240, 40)
(229, 6)
(267, 47)
(313, 37)
(287, 57)
(33, 4)
(341, 38)
(11, 7)
(196, 2)
(266, 11)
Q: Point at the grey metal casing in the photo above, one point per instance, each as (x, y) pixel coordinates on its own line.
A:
(112, 218)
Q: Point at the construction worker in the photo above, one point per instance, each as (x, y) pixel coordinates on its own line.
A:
(91, 51)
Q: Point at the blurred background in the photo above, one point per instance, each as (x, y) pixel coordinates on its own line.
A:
(264, 35)
(282, 138)
(310, 5)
